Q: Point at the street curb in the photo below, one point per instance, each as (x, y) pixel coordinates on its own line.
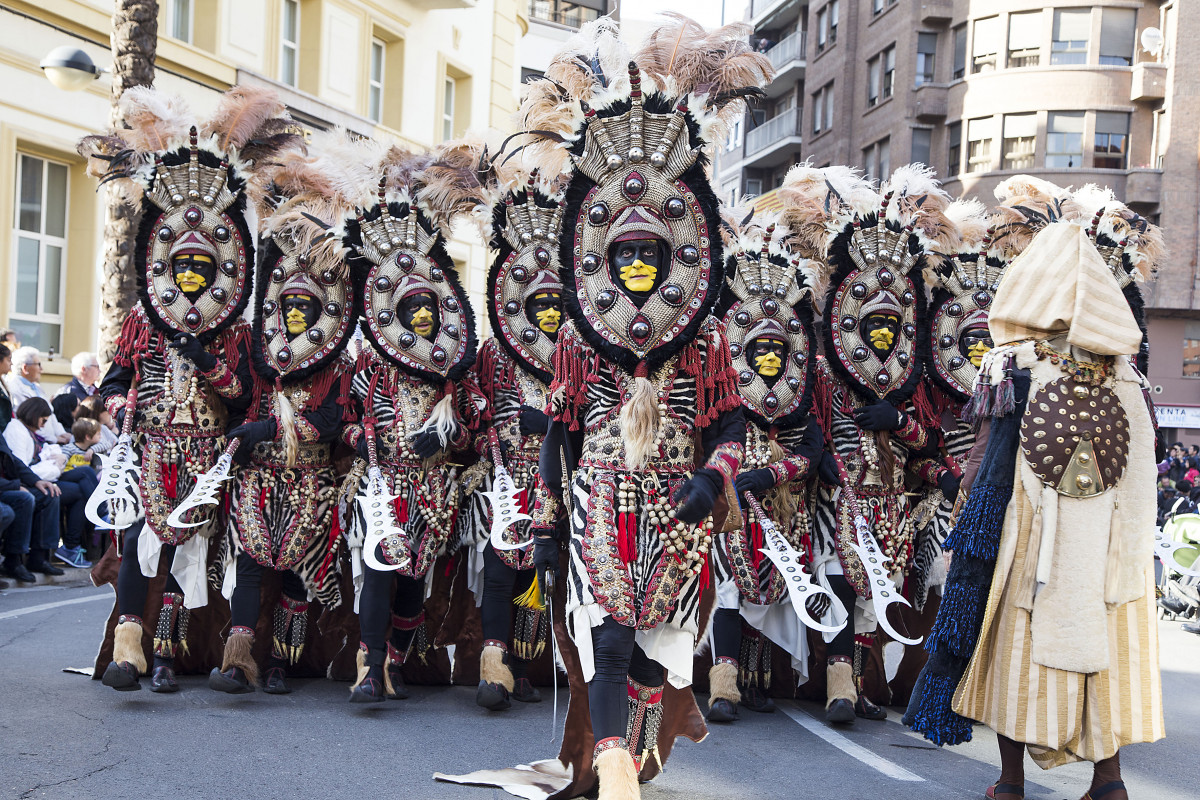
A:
(71, 579)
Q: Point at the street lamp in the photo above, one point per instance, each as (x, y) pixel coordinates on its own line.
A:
(70, 68)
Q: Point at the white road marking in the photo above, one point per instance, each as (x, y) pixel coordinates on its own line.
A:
(47, 606)
(850, 748)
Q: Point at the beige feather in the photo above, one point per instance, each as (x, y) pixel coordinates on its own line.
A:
(157, 121)
(241, 112)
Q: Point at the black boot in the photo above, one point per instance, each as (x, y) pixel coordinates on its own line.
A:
(867, 710)
(121, 676)
(168, 633)
(39, 561)
(370, 689)
(231, 681)
(396, 688)
(756, 700)
(13, 568)
(722, 711)
(275, 681)
(162, 680)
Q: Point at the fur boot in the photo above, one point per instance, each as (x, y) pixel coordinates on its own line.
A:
(361, 661)
(839, 679)
(617, 774)
(722, 683)
(492, 668)
(238, 654)
(127, 645)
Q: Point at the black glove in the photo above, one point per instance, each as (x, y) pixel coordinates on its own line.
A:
(813, 443)
(545, 553)
(827, 469)
(1020, 379)
(426, 444)
(880, 416)
(755, 481)
(119, 419)
(361, 449)
(251, 433)
(190, 348)
(949, 483)
(533, 421)
(694, 500)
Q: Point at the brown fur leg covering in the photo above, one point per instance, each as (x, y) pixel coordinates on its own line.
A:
(839, 680)
(722, 683)
(237, 654)
(617, 774)
(492, 668)
(127, 645)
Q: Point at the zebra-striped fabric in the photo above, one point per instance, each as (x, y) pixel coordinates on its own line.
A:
(925, 575)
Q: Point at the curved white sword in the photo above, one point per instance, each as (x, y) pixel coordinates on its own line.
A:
(207, 491)
(800, 584)
(378, 510)
(118, 487)
(505, 508)
(1165, 548)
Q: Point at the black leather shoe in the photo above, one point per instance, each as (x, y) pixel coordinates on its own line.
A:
(722, 711)
(45, 567)
(840, 711)
(492, 696)
(18, 572)
(399, 688)
(867, 710)
(162, 680)
(757, 700)
(276, 682)
(121, 676)
(525, 692)
(1190, 627)
(231, 681)
(369, 691)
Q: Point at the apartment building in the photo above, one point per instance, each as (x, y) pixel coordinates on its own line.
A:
(551, 24)
(985, 89)
(413, 71)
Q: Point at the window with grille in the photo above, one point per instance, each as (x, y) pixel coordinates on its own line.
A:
(39, 235)
(1024, 39)
(926, 58)
(1064, 140)
(1118, 29)
(1111, 149)
(980, 133)
(985, 45)
(1020, 138)
(960, 52)
(289, 51)
(953, 149)
(1072, 28)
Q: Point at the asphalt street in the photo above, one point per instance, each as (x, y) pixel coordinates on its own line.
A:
(63, 735)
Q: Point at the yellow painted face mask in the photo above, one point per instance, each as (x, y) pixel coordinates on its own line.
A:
(422, 321)
(882, 338)
(548, 319)
(296, 322)
(768, 364)
(189, 281)
(639, 276)
(976, 352)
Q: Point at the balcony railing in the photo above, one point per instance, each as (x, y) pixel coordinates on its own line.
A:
(562, 13)
(790, 48)
(776, 128)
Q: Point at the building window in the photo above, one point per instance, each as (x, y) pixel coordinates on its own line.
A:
(822, 29)
(375, 83)
(985, 45)
(1020, 136)
(878, 6)
(980, 133)
(834, 14)
(572, 15)
(1024, 39)
(1112, 140)
(881, 76)
(877, 160)
(1118, 27)
(753, 187)
(180, 19)
(448, 92)
(926, 58)
(889, 71)
(289, 51)
(960, 52)
(734, 141)
(1191, 350)
(40, 230)
(822, 104)
(1064, 140)
(922, 142)
(873, 81)
(953, 149)
(1071, 30)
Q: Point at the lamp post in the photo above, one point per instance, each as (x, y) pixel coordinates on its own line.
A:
(70, 68)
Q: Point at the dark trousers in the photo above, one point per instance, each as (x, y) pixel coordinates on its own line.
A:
(501, 584)
(727, 633)
(843, 642)
(246, 601)
(617, 658)
(375, 612)
(77, 486)
(132, 585)
(34, 522)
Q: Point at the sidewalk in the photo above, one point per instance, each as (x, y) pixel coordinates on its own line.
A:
(70, 577)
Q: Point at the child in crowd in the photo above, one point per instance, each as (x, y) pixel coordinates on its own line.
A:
(81, 451)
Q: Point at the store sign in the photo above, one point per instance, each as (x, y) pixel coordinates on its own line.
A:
(1178, 416)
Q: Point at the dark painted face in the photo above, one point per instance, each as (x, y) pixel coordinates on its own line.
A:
(974, 343)
(300, 313)
(880, 331)
(419, 313)
(637, 265)
(767, 355)
(194, 274)
(544, 310)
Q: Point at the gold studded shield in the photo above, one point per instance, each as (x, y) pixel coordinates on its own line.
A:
(1076, 437)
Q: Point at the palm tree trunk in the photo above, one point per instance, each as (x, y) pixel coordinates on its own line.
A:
(134, 41)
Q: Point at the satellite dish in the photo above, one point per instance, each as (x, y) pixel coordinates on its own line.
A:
(1152, 41)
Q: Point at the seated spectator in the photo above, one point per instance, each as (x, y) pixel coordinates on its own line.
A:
(93, 408)
(8, 338)
(1182, 504)
(33, 505)
(6, 403)
(81, 452)
(63, 406)
(47, 460)
(85, 368)
(24, 383)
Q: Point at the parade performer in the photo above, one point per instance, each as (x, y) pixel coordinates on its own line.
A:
(284, 496)
(769, 319)
(419, 405)
(513, 371)
(873, 312)
(1052, 552)
(182, 355)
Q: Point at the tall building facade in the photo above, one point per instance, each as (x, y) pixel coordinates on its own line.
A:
(416, 72)
(1076, 92)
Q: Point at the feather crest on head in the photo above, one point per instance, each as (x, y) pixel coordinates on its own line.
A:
(918, 199)
(1144, 244)
(819, 203)
(451, 185)
(1027, 204)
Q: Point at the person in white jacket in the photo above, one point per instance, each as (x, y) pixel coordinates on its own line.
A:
(24, 382)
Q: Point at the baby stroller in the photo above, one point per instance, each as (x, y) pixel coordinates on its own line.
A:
(1178, 594)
